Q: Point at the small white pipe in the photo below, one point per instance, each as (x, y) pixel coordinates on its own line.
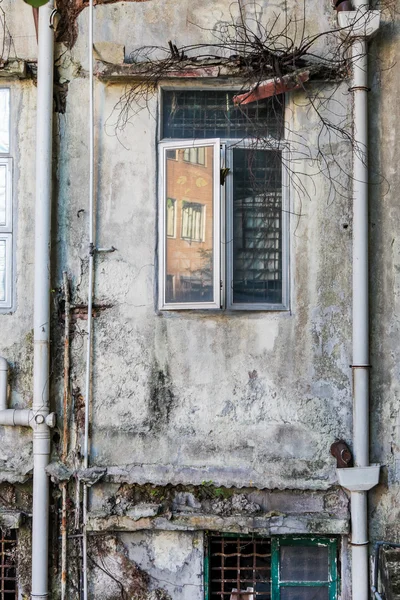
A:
(17, 417)
(90, 297)
(41, 432)
(3, 383)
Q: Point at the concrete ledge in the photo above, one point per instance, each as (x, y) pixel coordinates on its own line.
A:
(264, 525)
(219, 476)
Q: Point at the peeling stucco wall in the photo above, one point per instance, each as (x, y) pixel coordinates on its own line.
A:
(247, 403)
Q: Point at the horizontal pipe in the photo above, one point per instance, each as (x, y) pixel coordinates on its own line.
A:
(16, 416)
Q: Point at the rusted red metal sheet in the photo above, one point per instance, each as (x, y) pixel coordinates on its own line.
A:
(273, 87)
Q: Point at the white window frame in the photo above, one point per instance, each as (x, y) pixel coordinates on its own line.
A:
(282, 147)
(7, 238)
(7, 226)
(6, 230)
(216, 302)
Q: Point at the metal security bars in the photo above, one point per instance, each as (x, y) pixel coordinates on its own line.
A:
(199, 114)
(8, 581)
(240, 568)
(256, 236)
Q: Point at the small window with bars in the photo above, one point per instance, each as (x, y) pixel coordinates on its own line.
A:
(8, 581)
(285, 568)
(231, 214)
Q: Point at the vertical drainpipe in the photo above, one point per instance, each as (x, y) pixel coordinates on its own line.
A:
(359, 517)
(41, 431)
(357, 26)
(88, 377)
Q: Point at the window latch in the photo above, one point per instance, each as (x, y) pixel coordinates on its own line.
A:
(223, 175)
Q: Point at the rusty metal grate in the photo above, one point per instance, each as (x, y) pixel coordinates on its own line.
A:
(8, 582)
(240, 568)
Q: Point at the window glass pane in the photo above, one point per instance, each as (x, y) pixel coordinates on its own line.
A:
(307, 563)
(4, 120)
(304, 593)
(257, 226)
(189, 254)
(208, 114)
(3, 175)
(2, 270)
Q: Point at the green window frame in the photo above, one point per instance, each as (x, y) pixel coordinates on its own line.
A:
(277, 581)
(300, 542)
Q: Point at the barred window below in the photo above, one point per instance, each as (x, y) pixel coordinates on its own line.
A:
(8, 582)
(277, 568)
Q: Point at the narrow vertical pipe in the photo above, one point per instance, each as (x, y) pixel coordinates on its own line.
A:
(90, 297)
(64, 523)
(41, 432)
(360, 256)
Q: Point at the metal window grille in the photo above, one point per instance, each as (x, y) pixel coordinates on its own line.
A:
(8, 583)
(207, 114)
(257, 226)
(240, 568)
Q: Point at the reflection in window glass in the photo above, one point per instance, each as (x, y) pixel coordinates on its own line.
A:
(257, 228)
(189, 255)
(304, 593)
(308, 564)
(2, 270)
(4, 121)
(3, 175)
(171, 206)
(194, 155)
(192, 221)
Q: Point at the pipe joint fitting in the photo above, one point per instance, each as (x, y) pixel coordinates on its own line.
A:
(51, 420)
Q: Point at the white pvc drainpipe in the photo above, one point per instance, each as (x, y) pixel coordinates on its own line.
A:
(359, 518)
(360, 24)
(38, 417)
(41, 432)
(90, 297)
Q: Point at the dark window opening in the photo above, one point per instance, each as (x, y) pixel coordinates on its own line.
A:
(257, 226)
(240, 568)
(8, 565)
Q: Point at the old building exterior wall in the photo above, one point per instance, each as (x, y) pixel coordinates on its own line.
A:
(200, 421)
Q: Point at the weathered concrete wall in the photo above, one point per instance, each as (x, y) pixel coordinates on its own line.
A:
(245, 400)
(253, 398)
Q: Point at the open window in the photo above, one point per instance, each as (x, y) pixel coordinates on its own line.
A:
(223, 205)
